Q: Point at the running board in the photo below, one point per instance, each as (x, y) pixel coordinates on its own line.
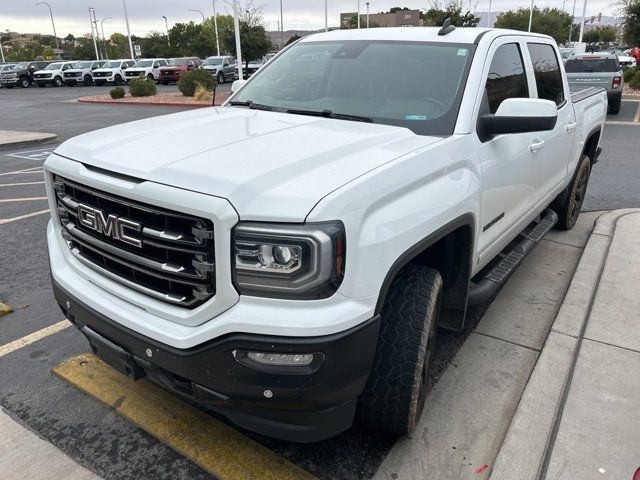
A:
(483, 290)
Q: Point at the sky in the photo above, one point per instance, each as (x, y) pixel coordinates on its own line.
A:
(71, 16)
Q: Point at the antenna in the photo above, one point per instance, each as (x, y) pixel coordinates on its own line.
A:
(446, 28)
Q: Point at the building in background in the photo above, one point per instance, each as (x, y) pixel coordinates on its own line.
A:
(401, 18)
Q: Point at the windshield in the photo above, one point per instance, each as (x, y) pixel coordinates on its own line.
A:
(422, 91)
(212, 61)
(178, 62)
(591, 64)
(143, 63)
(112, 65)
(53, 66)
(82, 65)
(21, 66)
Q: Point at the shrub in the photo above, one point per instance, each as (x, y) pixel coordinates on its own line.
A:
(629, 73)
(635, 81)
(142, 87)
(189, 80)
(117, 92)
(202, 93)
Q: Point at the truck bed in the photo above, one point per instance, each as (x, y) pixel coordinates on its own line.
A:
(580, 93)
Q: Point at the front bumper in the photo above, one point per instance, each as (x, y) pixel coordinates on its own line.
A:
(43, 81)
(303, 407)
(13, 82)
(73, 80)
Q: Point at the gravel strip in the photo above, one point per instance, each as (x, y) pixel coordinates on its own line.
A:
(160, 98)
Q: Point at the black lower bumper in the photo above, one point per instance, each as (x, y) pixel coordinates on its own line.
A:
(302, 407)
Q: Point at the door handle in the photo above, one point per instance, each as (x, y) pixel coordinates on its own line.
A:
(536, 145)
(570, 126)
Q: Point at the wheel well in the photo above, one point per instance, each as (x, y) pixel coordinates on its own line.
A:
(450, 254)
(591, 145)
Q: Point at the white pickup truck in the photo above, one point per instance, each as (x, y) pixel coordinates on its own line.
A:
(287, 258)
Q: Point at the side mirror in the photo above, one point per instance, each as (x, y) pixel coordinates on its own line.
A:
(519, 115)
(235, 86)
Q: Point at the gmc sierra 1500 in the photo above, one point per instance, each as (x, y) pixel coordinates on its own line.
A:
(287, 258)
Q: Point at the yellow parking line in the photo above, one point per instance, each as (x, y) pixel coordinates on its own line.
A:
(24, 184)
(21, 217)
(216, 447)
(34, 337)
(4, 309)
(28, 199)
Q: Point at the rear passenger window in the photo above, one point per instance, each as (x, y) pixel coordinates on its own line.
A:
(547, 72)
(506, 78)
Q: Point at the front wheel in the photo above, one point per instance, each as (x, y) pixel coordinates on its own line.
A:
(220, 78)
(88, 80)
(57, 82)
(117, 81)
(569, 203)
(24, 82)
(397, 388)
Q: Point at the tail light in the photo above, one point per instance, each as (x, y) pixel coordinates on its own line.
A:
(616, 82)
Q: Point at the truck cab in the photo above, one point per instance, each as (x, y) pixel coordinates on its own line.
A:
(22, 74)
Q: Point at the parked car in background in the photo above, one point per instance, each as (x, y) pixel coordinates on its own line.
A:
(223, 67)
(82, 73)
(112, 72)
(597, 70)
(52, 74)
(5, 67)
(249, 70)
(635, 53)
(176, 67)
(22, 74)
(566, 52)
(626, 61)
(145, 67)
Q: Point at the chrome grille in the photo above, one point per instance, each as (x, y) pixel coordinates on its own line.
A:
(175, 261)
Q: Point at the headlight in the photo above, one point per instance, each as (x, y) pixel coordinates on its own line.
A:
(301, 262)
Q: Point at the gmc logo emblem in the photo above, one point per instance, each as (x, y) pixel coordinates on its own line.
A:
(112, 226)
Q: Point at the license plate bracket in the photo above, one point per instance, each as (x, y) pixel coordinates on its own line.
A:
(113, 355)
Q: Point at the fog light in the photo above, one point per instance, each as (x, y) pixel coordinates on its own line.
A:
(281, 359)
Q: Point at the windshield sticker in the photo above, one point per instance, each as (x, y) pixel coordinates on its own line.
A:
(415, 117)
(462, 52)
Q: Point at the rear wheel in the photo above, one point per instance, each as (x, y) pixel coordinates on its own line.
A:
(396, 390)
(569, 204)
(614, 106)
(117, 80)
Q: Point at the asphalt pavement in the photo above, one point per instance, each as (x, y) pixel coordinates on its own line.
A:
(94, 435)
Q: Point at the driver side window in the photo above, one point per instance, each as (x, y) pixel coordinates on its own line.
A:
(507, 78)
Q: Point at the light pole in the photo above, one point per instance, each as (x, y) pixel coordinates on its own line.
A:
(236, 26)
(367, 14)
(584, 16)
(326, 16)
(53, 24)
(281, 26)
(126, 19)
(215, 26)
(358, 15)
(530, 15)
(166, 26)
(2, 51)
(573, 17)
(489, 16)
(92, 22)
(104, 39)
(198, 11)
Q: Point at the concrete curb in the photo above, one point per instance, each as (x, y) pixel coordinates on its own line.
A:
(153, 104)
(15, 139)
(627, 96)
(526, 449)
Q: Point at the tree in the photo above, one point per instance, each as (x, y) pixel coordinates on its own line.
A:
(254, 41)
(630, 10)
(452, 9)
(549, 21)
(590, 36)
(293, 39)
(607, 34)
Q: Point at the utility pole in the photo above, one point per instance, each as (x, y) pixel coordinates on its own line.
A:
(93, 33)
(281, 26)
(236, 26)
(104, 39)
(367, 14)
(530, 15)
(53, 24)
(166, 26)
(573, 17)
(584, 14)
(215, 26)
(126, 19)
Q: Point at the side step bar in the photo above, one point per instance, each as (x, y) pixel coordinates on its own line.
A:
(483, 290)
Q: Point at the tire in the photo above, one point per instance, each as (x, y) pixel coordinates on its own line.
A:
(569, 202)
(117, 80)
(151, 78)
(88, 80)
(220, 78)
(24, 82)
(614, 107)
(395, 393)
(57, 82)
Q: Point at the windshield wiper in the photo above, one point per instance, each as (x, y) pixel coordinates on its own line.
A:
(252, 105)
(330, 114)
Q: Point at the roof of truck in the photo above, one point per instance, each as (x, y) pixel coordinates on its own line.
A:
(416, 34)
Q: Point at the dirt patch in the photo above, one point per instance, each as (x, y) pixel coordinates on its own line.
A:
(168, 99)
(627, 90)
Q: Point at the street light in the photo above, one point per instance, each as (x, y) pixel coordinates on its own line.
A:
(104, 39)
(573, 17)
(199, 11)
(2, 49)
(326, 17)
(92, 23)
(367, 14)
(166, 25)
(489, 16)
(530, 15)
(358, 15)
(281, 27)
(236, 26)
(54, 27)
(584, 15)
(215, 26)
(126, 19)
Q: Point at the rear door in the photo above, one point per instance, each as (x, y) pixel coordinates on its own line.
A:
(554, 154)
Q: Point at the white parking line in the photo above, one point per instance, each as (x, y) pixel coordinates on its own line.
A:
(20, 184)
(39, 154)
(28, 199)
(33, 337)
(21, 172)
(22, 217)
(637, 117)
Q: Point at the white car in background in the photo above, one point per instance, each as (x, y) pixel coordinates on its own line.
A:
(82, 73)
(145, 67)
(112, 72)
(52, 74)
(624, 59)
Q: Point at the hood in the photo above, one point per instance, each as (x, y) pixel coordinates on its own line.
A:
(270, 166)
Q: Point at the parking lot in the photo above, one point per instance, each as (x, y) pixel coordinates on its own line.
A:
(117, 445)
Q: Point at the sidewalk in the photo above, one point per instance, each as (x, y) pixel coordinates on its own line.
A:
(25, 455)
(12, 138)
(579, 416)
